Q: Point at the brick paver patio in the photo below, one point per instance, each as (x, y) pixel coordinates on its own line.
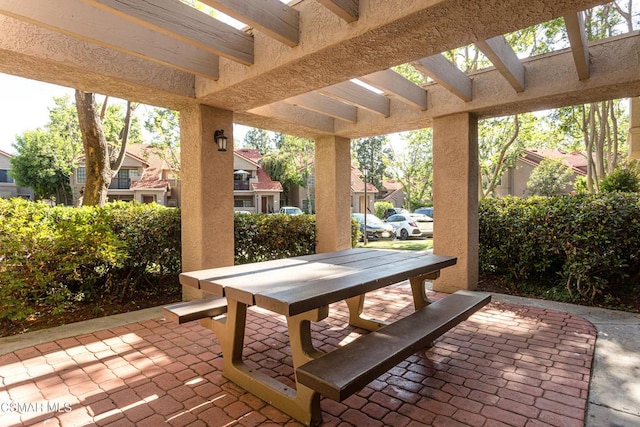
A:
(506, 365)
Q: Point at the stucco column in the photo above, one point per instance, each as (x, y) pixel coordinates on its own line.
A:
(333, 193)
(455, 199)
(634, 128)
(207, 191)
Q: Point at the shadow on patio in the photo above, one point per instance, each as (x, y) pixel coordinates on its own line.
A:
(506, 365)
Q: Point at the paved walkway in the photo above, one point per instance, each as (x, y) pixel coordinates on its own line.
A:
(514, 363)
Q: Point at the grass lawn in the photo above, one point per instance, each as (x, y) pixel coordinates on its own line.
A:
(409, 245)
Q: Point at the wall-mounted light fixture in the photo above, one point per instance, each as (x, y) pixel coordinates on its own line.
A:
(220, 139)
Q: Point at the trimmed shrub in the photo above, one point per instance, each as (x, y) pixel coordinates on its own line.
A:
(588, 243)
(52, 257)
(263, 237)
(380, 207)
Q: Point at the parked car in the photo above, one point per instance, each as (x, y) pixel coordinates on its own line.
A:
(376, 228)
(394, 211)
(425, 211)
(290, 210)
(404, 226)
(425, 223)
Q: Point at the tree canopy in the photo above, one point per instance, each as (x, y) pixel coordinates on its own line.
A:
(164, 127)
(41, 165)
(373, 155)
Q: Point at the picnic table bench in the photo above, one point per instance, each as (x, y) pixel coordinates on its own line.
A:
(301, 289)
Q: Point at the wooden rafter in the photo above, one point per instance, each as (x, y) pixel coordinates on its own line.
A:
(448, 75)
(397, 86)
(578, 41)
(185, 23)
(272, 17)
(502, 56)
(349, 10)
(324, 105)
(96, 26)
(359, 96)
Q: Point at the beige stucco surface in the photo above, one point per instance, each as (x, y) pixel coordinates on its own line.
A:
(207, 189)
(455, 198)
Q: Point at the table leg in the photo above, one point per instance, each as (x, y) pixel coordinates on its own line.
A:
(420, 299)
(356, 307)
(302, 349)
(301, 402)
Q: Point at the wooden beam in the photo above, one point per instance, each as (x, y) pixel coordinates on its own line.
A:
(502, 56)
(578, 41)
(284, 112)
(359, 96)
(397, 86)
(272, 17)
(448, 75)
(324, 105)
(349, 10)
(185, 23)
(96, 26)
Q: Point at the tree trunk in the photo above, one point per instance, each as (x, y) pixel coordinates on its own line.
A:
(498, 170)
(116, 164)
(96, 151)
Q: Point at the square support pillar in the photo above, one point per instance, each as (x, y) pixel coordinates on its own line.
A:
(207, 191)
(455, 198)
(333, 193)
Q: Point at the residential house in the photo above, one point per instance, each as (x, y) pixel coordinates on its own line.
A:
(360, 203)
(514, 180)
(8, 187)
(144, 177)
(253, 190)
(393, 192)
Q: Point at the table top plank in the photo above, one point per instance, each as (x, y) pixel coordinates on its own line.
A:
(258, 276)
(193, 278)
(292, 300)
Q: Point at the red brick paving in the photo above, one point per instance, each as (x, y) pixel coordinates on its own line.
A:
(506, 365)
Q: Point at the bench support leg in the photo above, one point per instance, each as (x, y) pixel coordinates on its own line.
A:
(356, 308)
(420, 299)
(301, 402)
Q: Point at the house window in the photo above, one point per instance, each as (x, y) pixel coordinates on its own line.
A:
(243, 202)
(81, 175)
(241, 180)
(122, 181)
(4, 176)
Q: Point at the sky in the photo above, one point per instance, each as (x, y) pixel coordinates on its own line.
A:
(24, 105)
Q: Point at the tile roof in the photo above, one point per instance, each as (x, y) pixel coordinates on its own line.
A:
(357, 184)
(575, 160)
(265, 183)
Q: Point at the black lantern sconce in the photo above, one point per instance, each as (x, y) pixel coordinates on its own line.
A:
(220, 139)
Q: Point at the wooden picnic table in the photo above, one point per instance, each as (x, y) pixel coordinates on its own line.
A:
(301, 289)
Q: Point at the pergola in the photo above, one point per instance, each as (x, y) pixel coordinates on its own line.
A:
(291, 71)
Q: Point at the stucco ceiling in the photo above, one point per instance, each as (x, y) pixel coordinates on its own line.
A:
(291, 68)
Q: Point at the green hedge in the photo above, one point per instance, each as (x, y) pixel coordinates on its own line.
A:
(587, 244)
(263, 237)
(53, 257)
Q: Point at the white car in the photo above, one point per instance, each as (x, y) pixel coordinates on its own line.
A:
(404, 226)
(290, 210)
(425, 223)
